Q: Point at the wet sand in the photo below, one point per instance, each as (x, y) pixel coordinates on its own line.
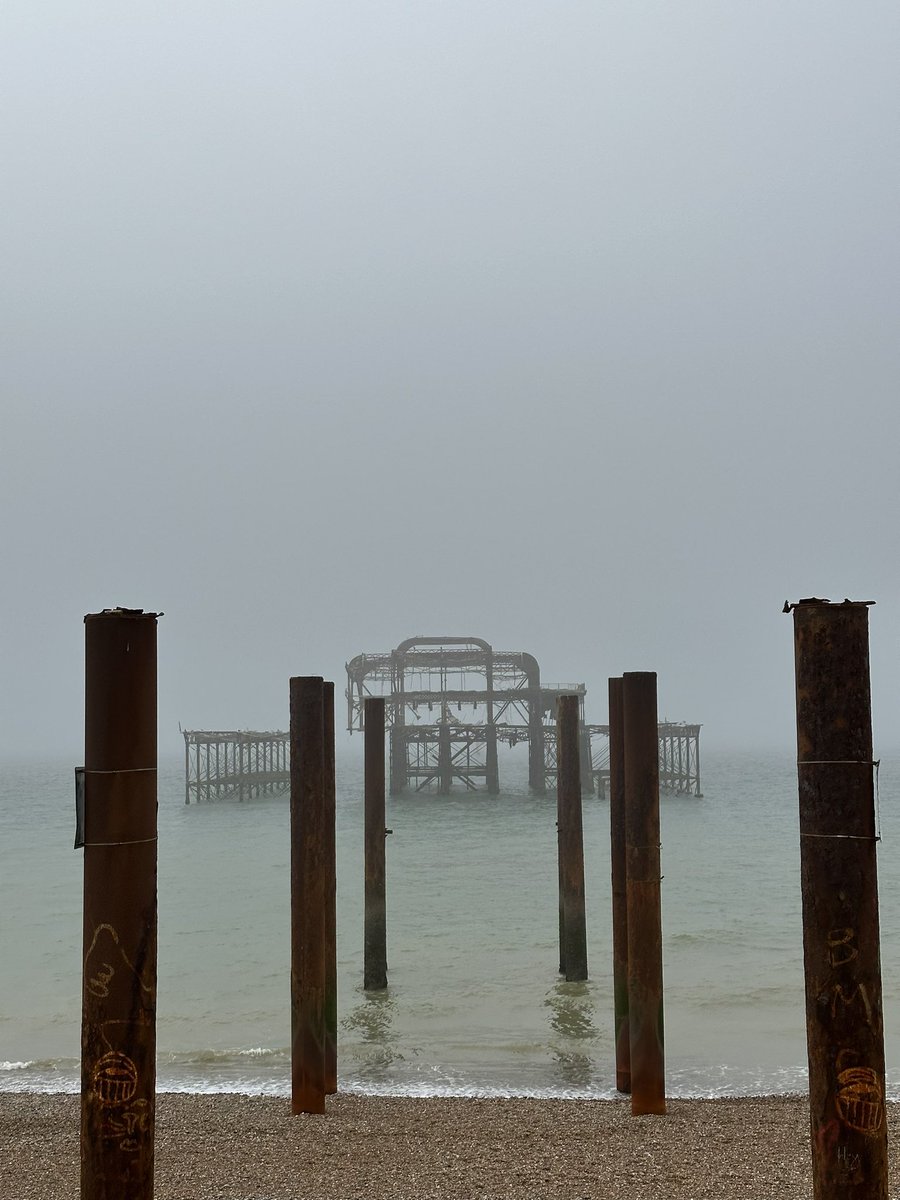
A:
(250, 1148)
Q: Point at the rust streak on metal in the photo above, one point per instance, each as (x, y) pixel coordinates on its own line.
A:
(307, 895)
(118, 1034)
(845, 1033)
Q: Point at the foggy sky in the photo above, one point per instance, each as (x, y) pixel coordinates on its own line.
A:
(569, 325)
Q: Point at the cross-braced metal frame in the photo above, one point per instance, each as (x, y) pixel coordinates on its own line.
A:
(234, 765)
(679, 757)
(450, 702)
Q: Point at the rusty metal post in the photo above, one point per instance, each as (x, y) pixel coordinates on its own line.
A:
(118, 1031)
(838, 836)
(619, 890)
(398, 759)
(375, 932)
(644, 912)
(331, 996)
(587, 765)
(445, 760)
(308, 872)
(492, 766)
(571, 841)
(537, 767)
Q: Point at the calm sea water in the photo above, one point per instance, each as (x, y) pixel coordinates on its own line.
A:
(475, 1005)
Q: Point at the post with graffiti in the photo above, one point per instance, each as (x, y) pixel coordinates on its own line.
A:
(838, 836)
(117, 828)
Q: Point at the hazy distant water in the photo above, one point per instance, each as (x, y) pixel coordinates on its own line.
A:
(475, 1003)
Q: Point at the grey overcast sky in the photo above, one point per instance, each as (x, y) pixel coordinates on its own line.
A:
(572, 325)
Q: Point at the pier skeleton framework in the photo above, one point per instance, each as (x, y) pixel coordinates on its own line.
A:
(424, 679)
(679, 757)
(498, 698)
(450, 702)
(240, 765)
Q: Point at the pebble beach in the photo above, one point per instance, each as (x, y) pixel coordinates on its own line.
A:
(231, 1147)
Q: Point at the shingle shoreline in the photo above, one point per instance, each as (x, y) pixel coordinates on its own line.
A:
(228, 1147)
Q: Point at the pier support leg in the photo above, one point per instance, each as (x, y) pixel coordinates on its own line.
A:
(398, 759)
(375, 933)
(537, 775)
(619, 890)
(587, 766)
(571, 841)
(445, 766)
(645, 975)
(307, 895)
(493, 766)
(118, 1030)
(844, 1021)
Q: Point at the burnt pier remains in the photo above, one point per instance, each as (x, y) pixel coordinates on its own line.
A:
(234, 765)
(450, 702)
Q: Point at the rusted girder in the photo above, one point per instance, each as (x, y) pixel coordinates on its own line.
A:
(308, 887)
(619, 889)
(118, 1031)
(573, 942)
(838, 836)
(375, 931)
(645, 973)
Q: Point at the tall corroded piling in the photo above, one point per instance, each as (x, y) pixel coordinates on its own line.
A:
(838, 836)
(375, 930)
(492, 766)
(644, 912)
(308, 888)
(118, 832)
(330, 913)
(573, 941)
(619, 887)
(445, 759)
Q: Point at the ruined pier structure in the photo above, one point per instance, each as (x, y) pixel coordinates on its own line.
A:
(451, 701)
(234, 765)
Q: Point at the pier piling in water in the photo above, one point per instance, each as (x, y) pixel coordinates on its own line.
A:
(619, 887)
(375, 931)
(118, 1031)
(644, 913)
(308, 894)
(573, 942)
(838, 836)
